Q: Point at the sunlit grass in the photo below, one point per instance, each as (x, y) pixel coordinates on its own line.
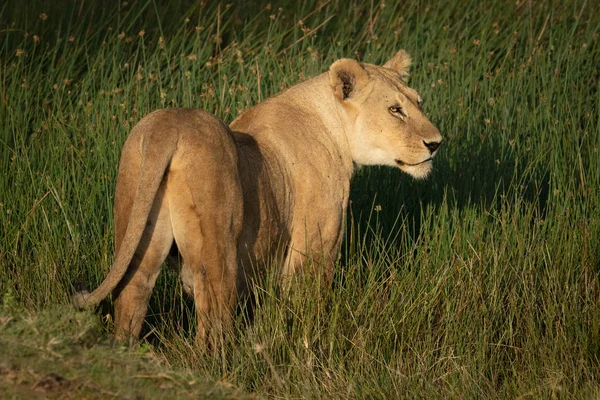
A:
(481, 281)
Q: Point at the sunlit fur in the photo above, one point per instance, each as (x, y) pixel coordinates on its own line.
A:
(272, 190)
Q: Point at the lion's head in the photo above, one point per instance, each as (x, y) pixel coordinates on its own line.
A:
(385, 123)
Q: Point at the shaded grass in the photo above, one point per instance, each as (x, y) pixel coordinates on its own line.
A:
(480, 282)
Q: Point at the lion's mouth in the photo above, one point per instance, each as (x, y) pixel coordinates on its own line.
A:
(405, 164)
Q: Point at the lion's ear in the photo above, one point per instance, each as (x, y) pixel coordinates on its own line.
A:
(400, 62)
(346, 76)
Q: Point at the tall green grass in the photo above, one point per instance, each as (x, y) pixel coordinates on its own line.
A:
(481, 281)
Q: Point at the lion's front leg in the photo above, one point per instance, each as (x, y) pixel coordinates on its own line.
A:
(314, 250)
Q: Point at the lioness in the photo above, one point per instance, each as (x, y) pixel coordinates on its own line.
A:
(274, 187)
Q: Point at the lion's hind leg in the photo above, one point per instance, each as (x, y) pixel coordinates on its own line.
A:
(134, 290)
(206, 210)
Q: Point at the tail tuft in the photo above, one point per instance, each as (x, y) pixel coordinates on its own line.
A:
(81, 299)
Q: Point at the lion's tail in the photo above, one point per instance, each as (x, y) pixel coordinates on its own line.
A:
(157, 149)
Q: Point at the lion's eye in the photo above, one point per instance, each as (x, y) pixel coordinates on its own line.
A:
(397, 110)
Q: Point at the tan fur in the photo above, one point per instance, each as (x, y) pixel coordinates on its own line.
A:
(273, 190)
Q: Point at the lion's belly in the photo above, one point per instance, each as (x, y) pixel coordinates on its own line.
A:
(267, 213)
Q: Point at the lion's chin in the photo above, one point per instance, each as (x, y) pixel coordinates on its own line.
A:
(419, 171)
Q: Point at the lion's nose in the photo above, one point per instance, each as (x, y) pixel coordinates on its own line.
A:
(432, 146)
